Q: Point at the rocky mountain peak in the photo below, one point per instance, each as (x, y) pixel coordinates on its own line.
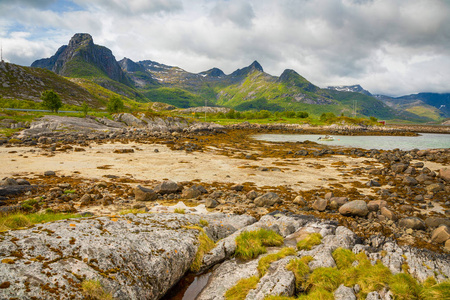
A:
(80, 40)
(257, 66)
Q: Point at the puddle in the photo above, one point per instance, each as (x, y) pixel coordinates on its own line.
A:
(188, 288)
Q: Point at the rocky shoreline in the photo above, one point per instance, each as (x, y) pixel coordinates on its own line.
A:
(391, 202)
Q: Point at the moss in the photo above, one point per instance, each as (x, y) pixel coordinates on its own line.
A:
(311, 240)
(250, 244)
(93, 289)
(241, 289)
(317, 294)
(203, 223)
(264, 263)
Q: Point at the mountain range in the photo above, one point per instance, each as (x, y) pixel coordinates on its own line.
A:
(95, 70)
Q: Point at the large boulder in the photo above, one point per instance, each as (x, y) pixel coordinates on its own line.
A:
(268, 199)
(354, 208)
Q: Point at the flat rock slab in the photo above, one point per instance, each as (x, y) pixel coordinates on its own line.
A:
(133, 256)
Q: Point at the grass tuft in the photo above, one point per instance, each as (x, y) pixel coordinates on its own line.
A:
(327, 279)
(308, 242)
(404, 286)
(264, 263)
(435, 291)
(250, 244)
(300, 268)
(205, 245)
(179, 211)
(343, 258)
(19, 220)
(241, 289)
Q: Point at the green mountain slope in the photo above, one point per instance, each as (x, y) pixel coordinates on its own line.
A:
(27, 83)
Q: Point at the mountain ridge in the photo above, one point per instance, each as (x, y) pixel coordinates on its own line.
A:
(245, 88)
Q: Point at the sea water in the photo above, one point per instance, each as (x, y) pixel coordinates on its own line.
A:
(423, 141)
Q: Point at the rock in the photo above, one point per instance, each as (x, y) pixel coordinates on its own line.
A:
(354, 208)
(276, 282)
(441, 234)
(225, 277)
(191, 192)
(237, 187)
(85, 200)
(157, 249)
(423, 177)
(418, 164)
(211, 203)
(167, 187)
(388, 214)
(435, 187)
(344, 293)
(268, 199)
(49, 173)
(299, 200)
(337, 202)
(376, 205)
(371, 183)
(251, 195)
(144, 194)
(444, 173)
(8, 182)
(412, 222)
(447, 245)
(21, 181)
(434, 222)
(373, 296)
(329, 195)
(399, 168)
(410, 180)
(320, 204)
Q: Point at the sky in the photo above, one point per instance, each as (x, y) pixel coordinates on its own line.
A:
(390, 47)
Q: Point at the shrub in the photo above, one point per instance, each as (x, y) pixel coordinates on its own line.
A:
(51, 100)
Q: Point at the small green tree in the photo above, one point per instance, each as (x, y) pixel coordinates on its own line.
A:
(85, 108)
(51, 100)
(115, 105)
(231, 114)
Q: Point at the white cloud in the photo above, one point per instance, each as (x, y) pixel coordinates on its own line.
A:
(388, 46)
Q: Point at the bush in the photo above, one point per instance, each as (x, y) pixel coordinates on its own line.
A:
(302, 114)
(230, 114)
(115, 105)
(51, 100)
(327, 117)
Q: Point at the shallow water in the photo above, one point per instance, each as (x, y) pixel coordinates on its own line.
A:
(188, 288)
(423, 141)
